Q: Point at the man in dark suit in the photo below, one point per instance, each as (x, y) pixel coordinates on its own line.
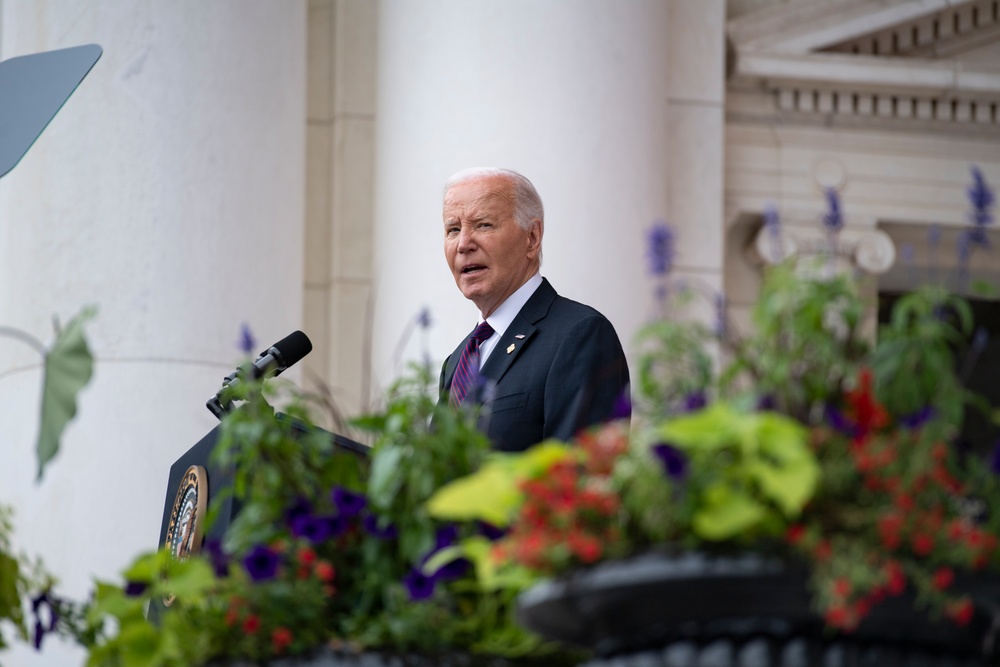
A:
(539, 365)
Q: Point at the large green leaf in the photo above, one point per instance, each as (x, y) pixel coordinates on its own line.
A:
(491, 493)
(788, 472)
(68, 367)
(726, 512)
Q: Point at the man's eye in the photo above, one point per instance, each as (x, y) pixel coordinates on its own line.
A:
(451, 231)
(484, 225)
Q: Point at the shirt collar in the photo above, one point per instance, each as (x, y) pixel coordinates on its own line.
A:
(502, 317)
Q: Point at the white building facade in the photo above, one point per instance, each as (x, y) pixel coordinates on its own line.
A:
(281, 164)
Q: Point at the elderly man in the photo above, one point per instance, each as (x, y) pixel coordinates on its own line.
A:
(539, 365)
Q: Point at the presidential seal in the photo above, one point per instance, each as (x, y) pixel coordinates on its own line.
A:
(187, 518)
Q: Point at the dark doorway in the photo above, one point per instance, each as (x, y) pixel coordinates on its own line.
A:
(979, 367)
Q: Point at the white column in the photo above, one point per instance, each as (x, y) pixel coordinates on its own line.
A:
(572, 94)
(168, 191)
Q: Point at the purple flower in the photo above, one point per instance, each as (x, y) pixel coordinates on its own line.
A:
(301, 507)
(39, 604)
(673, 460)
(219, 558)
(445, 536)
(696, 400)
(767, 403)
(424, 320)
(348, 503)
(453, 570)
(622, 408)
(39, 635)
(995, 459)
(982, 199)
(372, 527)
(419, 585)
(660, 250)
(262, 563)
(833, 219)
(312, 527)
(917, 419)
(134, 589)
(489, 531)
(838, 421)
(247, 344)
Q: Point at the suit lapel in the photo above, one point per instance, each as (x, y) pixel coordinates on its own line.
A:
(520, 331)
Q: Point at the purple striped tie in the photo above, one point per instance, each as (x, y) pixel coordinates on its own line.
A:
(468, 364)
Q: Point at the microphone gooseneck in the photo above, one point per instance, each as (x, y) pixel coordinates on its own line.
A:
(272, 362)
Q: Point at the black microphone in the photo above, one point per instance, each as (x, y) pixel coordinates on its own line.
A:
(282, 355)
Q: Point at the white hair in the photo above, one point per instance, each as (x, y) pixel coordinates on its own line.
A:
(527, 203)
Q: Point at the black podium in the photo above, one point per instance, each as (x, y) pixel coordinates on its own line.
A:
(195, 478)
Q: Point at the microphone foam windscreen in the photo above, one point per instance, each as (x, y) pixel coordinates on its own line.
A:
(293, 347)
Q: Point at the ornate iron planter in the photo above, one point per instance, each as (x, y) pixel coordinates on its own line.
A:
(692, 609)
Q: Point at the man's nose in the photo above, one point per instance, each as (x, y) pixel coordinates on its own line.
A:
(466, 242)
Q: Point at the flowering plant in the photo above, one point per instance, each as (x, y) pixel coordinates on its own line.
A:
(812, 442)
(67, 366)
(329, 550)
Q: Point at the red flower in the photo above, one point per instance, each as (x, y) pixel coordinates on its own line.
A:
(961, 611)
(862, 607)
(869, 415)
(839, 617)
(896, 579)
(922, 544)
(889, 527)
(904, 502)
(795, 533)
(842, 587)
(280, 639)
(587, 548)
(306, 556)
(232, 615)
(823, 551)
(251, 624)
(942, 578)
(325, 571)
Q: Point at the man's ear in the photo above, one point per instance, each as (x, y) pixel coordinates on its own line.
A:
(535, 237)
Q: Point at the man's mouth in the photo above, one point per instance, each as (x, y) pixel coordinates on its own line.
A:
(473, 269)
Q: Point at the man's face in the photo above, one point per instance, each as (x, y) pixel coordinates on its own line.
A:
(488, 252)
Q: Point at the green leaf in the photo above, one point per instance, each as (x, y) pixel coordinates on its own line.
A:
(189, 579)
(788, 473)
(68, 367)
(384, 479)
(713, 428)
(146, 567)
(10, 600)
(726, 513)
(489, 494)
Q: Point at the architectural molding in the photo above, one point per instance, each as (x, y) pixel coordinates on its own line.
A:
(870, 250)
(895, 60)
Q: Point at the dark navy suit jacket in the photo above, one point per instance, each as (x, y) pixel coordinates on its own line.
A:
(558, 369)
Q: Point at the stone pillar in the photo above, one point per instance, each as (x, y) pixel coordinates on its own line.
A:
(339, 196)
(169, 192)
(696, 129)
(575, 95)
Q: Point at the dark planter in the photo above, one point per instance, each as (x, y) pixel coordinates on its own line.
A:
(747, 610)
(344, 658)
